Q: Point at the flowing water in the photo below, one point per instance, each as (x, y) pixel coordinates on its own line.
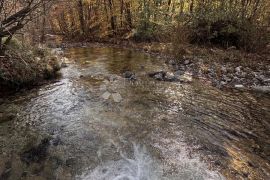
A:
(159, 130)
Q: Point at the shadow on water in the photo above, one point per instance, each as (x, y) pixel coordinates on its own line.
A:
(158, 130)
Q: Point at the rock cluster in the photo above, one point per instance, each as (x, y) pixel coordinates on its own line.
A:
(224, 75)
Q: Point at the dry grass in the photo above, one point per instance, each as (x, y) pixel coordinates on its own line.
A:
(26, 66)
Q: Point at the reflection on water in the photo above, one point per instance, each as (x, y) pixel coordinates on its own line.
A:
(160, 130)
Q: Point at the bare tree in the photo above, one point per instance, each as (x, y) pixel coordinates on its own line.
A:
(15, 14)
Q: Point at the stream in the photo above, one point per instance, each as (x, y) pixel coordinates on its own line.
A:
(93, 124)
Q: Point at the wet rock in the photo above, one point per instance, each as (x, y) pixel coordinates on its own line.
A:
(113, 78)
(129, 75)
(170, 77)
(238, 69)
(172, 62)
(157, 75)
(179, 73)
(224, 69)
(106, 95)
(116, 97)
(226, 78)
(187, 62)
(36, 154)
(223, 83)
(37, 59)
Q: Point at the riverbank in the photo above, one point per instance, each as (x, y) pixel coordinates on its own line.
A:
(24, 67)
(222, 68)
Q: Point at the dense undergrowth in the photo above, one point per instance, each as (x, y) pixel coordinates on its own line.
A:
(23, 65)
(226, 24)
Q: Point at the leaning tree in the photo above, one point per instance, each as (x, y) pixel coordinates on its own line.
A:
(15, 14)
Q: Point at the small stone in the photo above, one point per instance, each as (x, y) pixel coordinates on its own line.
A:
(170, 76)
(227, 79)
(239, 86)
(117, 97)
(158, 76)
(37, 59)
(186, 62)
(172, 62)
(223, 83)
(223, 69)
(238, 69)
(129, 75)
(186, 78)
(179, 73)
(106, 95)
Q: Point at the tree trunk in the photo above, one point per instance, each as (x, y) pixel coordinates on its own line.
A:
(81, 16)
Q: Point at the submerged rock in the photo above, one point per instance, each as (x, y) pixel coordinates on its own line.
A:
(106, 95)
(117, 97)
(129, 75)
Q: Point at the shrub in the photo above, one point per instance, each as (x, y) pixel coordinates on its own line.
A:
(25, 64)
